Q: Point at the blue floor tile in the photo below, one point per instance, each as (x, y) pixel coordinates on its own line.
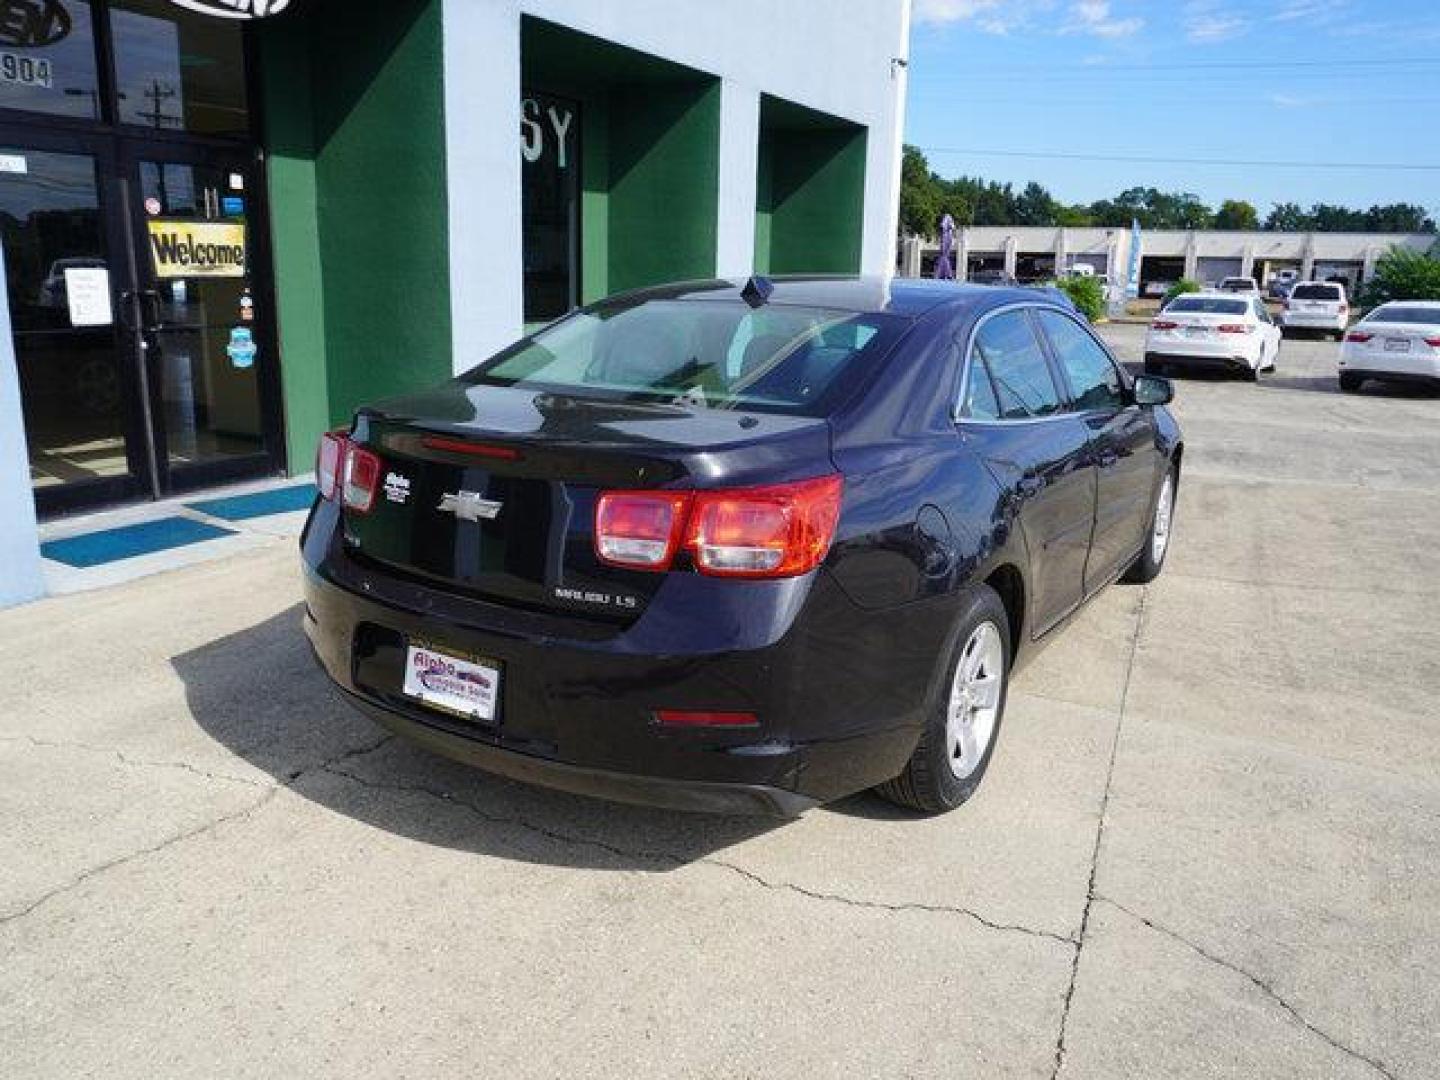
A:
(261, 504)
(128, 541)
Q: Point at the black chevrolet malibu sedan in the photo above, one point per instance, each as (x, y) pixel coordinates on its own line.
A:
(738, 545)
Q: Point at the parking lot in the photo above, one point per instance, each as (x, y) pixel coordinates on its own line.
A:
(1206, 846)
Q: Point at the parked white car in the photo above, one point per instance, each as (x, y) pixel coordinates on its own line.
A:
(1243, 285)
(1317, 305)
(1215, 330)
(1396, 342)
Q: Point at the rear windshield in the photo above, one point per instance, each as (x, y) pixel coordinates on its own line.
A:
(1316, 292)
(1405, 315)
(1209, 305)
(716, 354)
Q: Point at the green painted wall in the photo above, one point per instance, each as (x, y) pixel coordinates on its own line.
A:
(810, 192)
(354, 104)
(664, 183)
(295, 236)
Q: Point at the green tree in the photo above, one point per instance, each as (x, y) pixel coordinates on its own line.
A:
(1288, 217)
(1237, 214)
(1326, 217)
(920, 193)
(1404, 274)
(1398, 217)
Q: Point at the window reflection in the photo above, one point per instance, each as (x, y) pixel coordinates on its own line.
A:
(176, 72)
(47, 58)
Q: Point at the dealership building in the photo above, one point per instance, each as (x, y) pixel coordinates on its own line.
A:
(227, 223)
(1033, 253)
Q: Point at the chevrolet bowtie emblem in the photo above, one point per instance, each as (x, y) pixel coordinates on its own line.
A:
(469, 506)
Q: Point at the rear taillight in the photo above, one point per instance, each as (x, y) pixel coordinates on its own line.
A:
(764, 532)
(1164, 324)
(1433, 342)
(361, 478)
(1358, 336)
(329, 460)
(1235, 328)
(640, 530)
(776, 531)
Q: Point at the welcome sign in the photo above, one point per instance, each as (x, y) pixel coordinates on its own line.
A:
(189, 249)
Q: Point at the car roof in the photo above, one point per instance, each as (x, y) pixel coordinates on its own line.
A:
(861, 294)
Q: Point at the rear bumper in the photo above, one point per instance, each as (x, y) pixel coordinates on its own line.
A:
(1211, 361)
(578, 715)
(1394, 366)
(1299, 320)
(693, 795)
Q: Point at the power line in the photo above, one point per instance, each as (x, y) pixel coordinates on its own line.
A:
(1203, 65)
(1145, 160)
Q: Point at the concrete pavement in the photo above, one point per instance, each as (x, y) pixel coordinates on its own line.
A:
(1205, 848)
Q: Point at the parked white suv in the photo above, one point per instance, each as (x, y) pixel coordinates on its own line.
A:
(1317, 305)
(1226, 331)
(1397, 342)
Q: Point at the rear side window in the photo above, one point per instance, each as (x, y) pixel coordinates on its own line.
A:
(1008, 353)
(1316, 292)
(1092, 374)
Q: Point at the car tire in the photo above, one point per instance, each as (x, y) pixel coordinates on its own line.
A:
(1151, 561)
(1153, 367)
(961, 729)
(1350, 382)
(1250, 374)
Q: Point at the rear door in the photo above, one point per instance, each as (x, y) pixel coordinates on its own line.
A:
(1014, 416)
(1122, 445)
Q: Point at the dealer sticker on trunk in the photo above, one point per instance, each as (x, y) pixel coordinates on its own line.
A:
(462, 687)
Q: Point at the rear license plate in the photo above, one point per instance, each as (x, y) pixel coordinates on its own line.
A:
(1397, 344)
(466, 687)
(1196, 331)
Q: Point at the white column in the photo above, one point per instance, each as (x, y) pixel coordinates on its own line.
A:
(739, 162)
(961, 255)
(1011, 250)
(482, 148)
(882, 155)
(1060, 252)
(1307, 258)
(20, 577)
(1192, 256)
(1247, 262)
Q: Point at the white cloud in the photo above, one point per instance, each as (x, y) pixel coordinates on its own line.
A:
(1092, 17)
(1208, 22)
(1323, 12)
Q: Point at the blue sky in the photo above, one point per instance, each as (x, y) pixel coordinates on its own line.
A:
(1351, 82)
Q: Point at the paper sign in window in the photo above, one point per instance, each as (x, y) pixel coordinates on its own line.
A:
(87, 294)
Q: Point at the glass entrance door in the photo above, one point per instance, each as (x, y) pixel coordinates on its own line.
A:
(206, 344)
(76, 379)
(132, 224)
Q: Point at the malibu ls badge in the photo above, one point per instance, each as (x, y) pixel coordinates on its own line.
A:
(470, 506)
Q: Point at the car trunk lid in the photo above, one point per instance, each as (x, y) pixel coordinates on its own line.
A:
(491, 490)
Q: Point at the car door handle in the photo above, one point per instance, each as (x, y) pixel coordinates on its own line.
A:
(1030, 486)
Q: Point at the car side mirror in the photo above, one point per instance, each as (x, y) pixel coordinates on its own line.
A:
(1153, 390)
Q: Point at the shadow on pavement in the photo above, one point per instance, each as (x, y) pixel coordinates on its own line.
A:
(259, 693)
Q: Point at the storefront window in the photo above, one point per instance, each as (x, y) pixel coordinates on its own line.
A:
(47, 58)
(177, 72)
(549, 146)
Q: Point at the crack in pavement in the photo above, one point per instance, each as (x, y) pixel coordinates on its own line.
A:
(669, 859)
(121, 860)
(1099, 836)
(270, 791)
(126, 759)
(1259, 983)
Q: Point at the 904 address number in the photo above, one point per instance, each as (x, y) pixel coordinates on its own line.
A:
(26, 70)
